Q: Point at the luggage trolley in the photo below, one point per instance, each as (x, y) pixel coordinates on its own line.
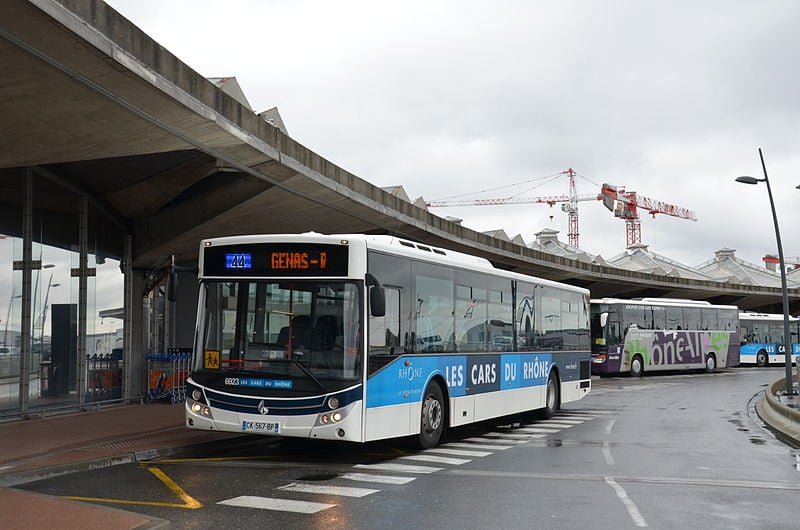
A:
(167, 374)
(105, 376)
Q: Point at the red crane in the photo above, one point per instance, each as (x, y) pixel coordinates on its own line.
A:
(571, 208)
(773, 260)
(626, 205)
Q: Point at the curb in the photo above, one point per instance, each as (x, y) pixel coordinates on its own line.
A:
(784, 421)
(22, 477)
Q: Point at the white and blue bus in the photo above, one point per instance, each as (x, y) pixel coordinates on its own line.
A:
(762, 338)
(361, 338)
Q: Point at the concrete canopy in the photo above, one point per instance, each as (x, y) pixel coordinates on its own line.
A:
(92, 104)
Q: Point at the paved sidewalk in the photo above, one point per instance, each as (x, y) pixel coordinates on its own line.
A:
(41, 448)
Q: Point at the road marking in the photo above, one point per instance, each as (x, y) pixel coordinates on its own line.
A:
(382, 479)
(282, 505)
(538, 430)
(512, 438)
(633, 511)
(342, 491)
(561, 421)
(561, 424)
(610, 426)
(437, 459)
(496, 439)
(457, 452)
(402, 468)
(607, 454)
(480, 446)
(188, 501)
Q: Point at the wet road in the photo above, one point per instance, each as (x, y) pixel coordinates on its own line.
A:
(667, 451)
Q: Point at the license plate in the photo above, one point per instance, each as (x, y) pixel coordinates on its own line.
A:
(261, 426)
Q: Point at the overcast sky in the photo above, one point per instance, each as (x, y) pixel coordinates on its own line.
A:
(449, 98)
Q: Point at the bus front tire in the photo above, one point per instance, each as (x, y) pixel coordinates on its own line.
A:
(432, 417)
(637, 366)
(761, 359)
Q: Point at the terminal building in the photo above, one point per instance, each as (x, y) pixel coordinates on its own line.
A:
(116, 159)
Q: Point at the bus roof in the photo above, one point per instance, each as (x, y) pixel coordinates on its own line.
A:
(750, 315)
(663, 302)
(397, 246)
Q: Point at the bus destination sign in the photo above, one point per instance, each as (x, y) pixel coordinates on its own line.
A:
(276, 259)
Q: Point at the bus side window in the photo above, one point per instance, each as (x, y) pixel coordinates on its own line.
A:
(614, 336)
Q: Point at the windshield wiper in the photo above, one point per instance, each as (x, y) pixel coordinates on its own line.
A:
(303, 368)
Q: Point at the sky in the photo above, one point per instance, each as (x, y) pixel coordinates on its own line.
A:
(453, 98)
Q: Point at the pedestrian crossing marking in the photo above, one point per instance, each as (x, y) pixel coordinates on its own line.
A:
(403, 468)
(538, 430)
(282, 505)
(499, 440)
(343, 491)
(437, 459)
(383, 479)
(494, 446)
(457, 452)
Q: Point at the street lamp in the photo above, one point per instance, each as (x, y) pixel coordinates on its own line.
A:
(787, 347)
(44, 313)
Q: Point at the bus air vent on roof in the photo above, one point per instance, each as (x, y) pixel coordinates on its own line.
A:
(438, 251)
(406, 243)
(426, 249)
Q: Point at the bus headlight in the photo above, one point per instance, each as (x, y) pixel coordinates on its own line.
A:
(197, 394)
(333, 403)
(201, 409)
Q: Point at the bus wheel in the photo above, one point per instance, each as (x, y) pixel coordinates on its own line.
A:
(432, 418)
(711, 364)
(761, 359)
(637, 366)
(551, 397)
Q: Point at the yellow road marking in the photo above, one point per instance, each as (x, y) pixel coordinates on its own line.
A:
(188, 501)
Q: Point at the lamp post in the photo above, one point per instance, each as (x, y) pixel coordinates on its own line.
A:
(787, 346)
(44, 313)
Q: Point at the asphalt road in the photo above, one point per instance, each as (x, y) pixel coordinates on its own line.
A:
(666, 451)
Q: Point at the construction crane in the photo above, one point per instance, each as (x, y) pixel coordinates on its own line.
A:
(626, 205)
(773, 261)
(571, 201)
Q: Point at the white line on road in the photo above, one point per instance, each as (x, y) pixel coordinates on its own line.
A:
(607, 454)
(497, 439)
(343, 491)
(401, 468)
(610, 426)
(538, 430)
(382, 479)
(457, 452)
(633, 511)
(480, 446)
(282, 505)
(437, 459)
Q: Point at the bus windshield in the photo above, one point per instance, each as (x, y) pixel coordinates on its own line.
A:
(280, 330)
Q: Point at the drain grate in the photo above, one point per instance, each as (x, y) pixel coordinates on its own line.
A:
(139, 442)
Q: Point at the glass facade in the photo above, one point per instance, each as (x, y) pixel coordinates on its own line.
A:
(62, 327)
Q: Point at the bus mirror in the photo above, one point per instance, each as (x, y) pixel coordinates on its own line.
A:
(377, 299)
(603, 319)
